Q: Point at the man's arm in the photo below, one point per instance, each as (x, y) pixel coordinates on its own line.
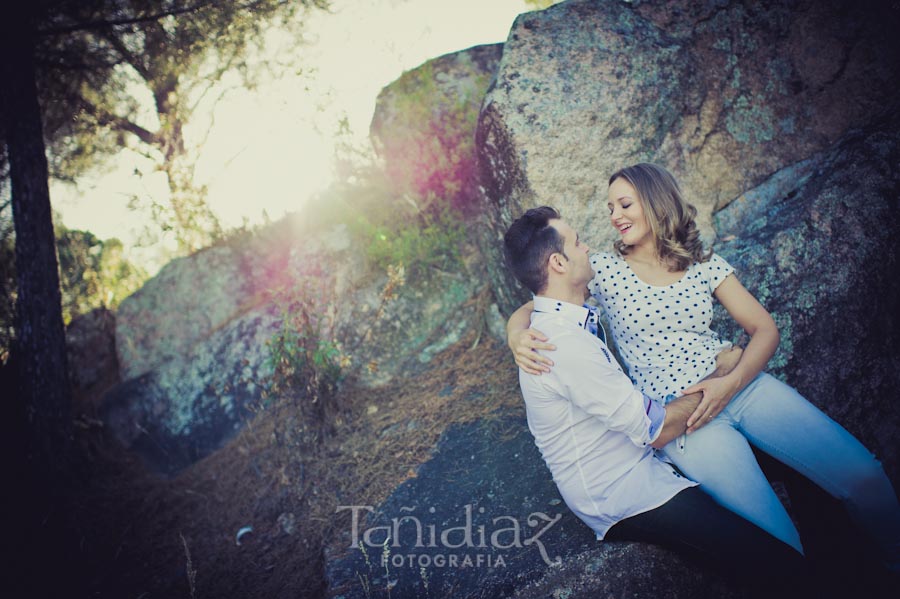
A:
(679, 410)
(677, 414)
(586, 374)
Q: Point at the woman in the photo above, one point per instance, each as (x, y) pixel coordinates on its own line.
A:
(657, 289)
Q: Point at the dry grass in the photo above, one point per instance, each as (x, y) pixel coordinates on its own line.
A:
(267, 477)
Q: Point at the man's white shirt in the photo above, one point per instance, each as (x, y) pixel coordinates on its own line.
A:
(593, 428)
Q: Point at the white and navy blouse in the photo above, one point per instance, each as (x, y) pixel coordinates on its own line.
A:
(662, 332)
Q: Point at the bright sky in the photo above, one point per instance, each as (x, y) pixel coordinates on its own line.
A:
(271, 148)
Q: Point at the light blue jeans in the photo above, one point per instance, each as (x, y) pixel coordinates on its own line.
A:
(775, 418)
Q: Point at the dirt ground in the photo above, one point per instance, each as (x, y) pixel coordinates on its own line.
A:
(124, 531)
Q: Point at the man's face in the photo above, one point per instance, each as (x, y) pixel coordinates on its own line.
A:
(579, 267)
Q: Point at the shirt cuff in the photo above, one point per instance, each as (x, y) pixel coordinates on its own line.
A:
(657, 415)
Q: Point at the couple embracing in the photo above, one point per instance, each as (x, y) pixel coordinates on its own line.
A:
(663, 453)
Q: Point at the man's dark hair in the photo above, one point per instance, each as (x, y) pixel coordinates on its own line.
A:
(529, 242)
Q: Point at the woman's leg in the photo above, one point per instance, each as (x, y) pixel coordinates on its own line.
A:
(719, 458)
(778, 420)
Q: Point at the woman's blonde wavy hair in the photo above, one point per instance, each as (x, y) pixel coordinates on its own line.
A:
(670, 217)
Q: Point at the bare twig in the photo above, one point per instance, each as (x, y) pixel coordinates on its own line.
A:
(191, 571)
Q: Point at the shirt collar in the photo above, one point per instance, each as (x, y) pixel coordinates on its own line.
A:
(570, 312)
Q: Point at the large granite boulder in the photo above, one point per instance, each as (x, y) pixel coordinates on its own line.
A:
(91, 350)
(723, 93)
(817, 244)
(500, 530)
(187, 407)
(189, 299)
(195, 343)
(424, 125)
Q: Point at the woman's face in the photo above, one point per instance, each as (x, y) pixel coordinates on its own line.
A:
(626, 213)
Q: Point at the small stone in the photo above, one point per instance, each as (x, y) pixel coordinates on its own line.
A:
(288, 522)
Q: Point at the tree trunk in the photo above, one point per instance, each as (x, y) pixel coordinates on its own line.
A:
(39, 350)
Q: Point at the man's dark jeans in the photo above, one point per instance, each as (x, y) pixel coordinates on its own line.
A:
(692, 523)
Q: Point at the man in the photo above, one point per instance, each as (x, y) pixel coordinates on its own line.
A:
(597, 432)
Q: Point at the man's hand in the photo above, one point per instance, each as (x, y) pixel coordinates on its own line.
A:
(717, 389)
(679, 411)
(523, 344)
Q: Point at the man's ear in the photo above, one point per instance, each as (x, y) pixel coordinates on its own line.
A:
(556, 263)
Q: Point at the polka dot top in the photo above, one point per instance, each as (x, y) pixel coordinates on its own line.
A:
(662, 332)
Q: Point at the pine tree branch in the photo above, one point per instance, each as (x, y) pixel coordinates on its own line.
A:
(211, 79)
(126, 54)
(172, 12)
(145, 136)
(212, 118)
(109, 23)
(106, 118)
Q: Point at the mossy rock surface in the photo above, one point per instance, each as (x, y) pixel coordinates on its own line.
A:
(490, 473)
(724, 94)
(816, 243)
(424, 125)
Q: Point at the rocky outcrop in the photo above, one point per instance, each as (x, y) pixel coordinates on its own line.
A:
(500, 530)
(733, 96)
(766, 116)
(816, 243)
(424, 125)
(724, 94)
(195, 341)
(185, 408)
(791, 101)
(188, 300)
(91, 349)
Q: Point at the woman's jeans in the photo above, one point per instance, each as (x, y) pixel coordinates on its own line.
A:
(775, 418)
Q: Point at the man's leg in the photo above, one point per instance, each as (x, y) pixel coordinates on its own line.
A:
(778, 420)
(694, 524)
(719, 458)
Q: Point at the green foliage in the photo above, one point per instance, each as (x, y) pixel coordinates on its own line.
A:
(306, 366)
(300, 358)
(93, 272)
(132, 74)
(7, 286)
(394, 229)
(416, 242)
(541, 4)
(302, 353)
(171, 52)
